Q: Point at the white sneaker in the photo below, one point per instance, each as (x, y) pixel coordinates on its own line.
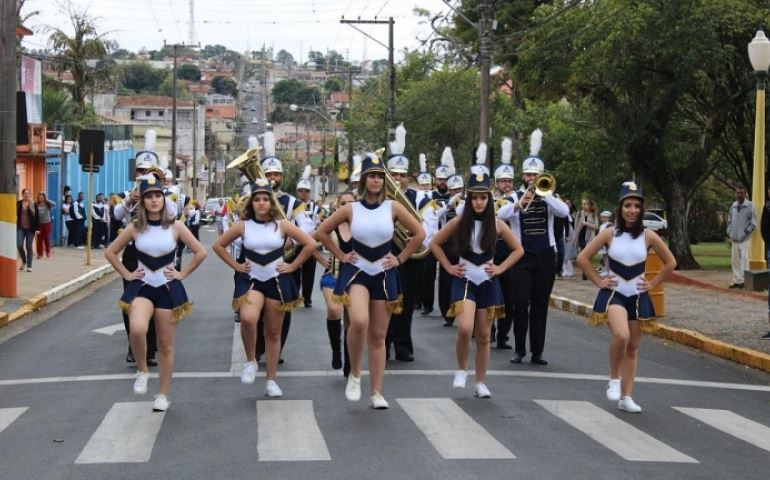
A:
(140, 384)
(613, 390)
(160, 404)
(353, 388)
(460, 377)
(249, 373)
(481, 391)
(629, 405)
(379, 402)
(272, 389)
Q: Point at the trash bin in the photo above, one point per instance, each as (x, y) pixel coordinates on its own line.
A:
(651, 270)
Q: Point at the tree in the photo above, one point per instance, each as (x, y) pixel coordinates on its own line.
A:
(334, 84)
(317, 58)
(210, 51)
(294, 91)
(58, 106)
(654, 73)
(142, 77)
(224, 85)
(188, 71)
(285, 58)
(83, 54)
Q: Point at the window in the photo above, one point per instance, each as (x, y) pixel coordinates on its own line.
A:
(160, 113)
(133, 115)
(147, 113)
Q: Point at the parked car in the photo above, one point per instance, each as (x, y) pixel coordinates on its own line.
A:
(207, 215)
(654, 222)
(254, 120)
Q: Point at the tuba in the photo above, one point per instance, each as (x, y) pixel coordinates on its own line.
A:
(248, 164)
(400, 233)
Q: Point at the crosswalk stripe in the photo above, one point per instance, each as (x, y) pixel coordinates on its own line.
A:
(733, 424)
(9, 415)
(127, 434)
(238, 355)
(451, 431)
(287, 431)
(626, 440)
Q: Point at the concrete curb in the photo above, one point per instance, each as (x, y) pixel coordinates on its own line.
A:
(690, 338)
(57, 293)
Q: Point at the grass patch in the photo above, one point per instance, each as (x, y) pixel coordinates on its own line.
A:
(713, 255)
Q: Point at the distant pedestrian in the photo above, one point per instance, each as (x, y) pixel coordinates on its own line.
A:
(741, 223)
(586, 225)
(79, 209)
(194, 219)
(605, 222)
(68, 217)
(220, 216)
(623, 298)
(26, 225)
(99, 222)
(44, 223)
(765, 230)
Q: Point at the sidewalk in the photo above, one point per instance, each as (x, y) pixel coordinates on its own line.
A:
(51, 279)
(699, 301)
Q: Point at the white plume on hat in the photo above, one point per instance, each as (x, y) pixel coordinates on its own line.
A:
(163, 162)
(306, 172)
(398, 146)
(506, 149)
(355, 175)
(253, 142)
(535, 142)
(304, 179)
(448, 160)
(269, 144)
(423, 163)
(149, 140)
(481, 160)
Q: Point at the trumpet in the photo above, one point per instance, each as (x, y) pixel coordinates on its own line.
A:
(543, 186)
(400, 233)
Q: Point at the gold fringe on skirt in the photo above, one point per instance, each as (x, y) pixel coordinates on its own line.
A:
(177, 314)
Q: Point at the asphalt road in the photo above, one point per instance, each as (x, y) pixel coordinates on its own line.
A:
(67, 410)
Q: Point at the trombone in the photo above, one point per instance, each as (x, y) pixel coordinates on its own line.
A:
(543, 186)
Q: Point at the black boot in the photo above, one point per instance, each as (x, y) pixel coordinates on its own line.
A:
(346, 365)
(334, 329)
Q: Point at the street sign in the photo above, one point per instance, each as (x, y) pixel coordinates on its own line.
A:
(86, 168)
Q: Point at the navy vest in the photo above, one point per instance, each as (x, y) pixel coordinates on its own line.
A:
(534, 227)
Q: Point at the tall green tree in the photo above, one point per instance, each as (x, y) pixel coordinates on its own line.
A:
(188, 71)
(84, 53)
(142, 77)
(654, 73)
(224, 85)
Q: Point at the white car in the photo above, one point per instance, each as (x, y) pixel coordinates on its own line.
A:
(654, 222)
(254, 120)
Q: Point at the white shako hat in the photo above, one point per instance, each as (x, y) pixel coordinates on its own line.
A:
(304, 180)
(270, 163)
(455, 182)
(481, 160)
(424, 178)
(447, 167)
(397, 162)
(355, 176)
(505, 170)
(147, 158)
(533, 164)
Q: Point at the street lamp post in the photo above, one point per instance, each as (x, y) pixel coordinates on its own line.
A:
(759, 55)
(327, 120)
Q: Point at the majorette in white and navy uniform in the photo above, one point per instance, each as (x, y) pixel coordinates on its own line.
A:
(371, 229)
(504, 172)
(263, 247)
(155, 248)
(476, 285)
(410, 271)
(430, 224)
(627, 256)
(534, 274)
(446, 183)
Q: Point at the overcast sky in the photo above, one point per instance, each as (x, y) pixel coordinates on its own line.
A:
(293, 25)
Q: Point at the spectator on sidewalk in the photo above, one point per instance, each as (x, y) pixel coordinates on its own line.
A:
(764, 228)
(194, 219)
(79, 213)
(605, 222)
(26, 224)
(741, 223)
(68, 217)
(220, 214)
(570, 253)
(45, 222)
(99, 222)
(586, 225)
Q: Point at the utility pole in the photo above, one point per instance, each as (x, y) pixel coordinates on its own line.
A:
(195, 148)
(8, 148)
(391, 111)
(485, 62)
(176, 48)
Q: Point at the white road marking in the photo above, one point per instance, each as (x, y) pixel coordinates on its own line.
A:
(451, 431)
(126, 435)
(110, 329)
(733, 424)
(9, 415)
(622, 438)
(287, 431)
(399, 373)
(238, 355)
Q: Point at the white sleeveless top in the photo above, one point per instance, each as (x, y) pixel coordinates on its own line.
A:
(263, 238)
(372, 228)
(155, 241)
(475, 273)
(629, 252)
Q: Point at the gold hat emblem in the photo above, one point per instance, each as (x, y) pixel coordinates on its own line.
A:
(479, 177)
(632, 186)
(376, 161)
(151, 180)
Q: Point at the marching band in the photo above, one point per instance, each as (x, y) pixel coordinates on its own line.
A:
(491, 249)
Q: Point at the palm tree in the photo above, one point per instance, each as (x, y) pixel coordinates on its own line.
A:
(83, 54)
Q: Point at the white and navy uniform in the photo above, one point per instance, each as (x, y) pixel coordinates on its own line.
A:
(427, 288)
(371, 230)
(534, 274)
(155, 249)
(307, 216)
(99, 227)
(627, 256)
(502, 250)
(476, 285)
(263, 250)
(410, 271)
(445, 214)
